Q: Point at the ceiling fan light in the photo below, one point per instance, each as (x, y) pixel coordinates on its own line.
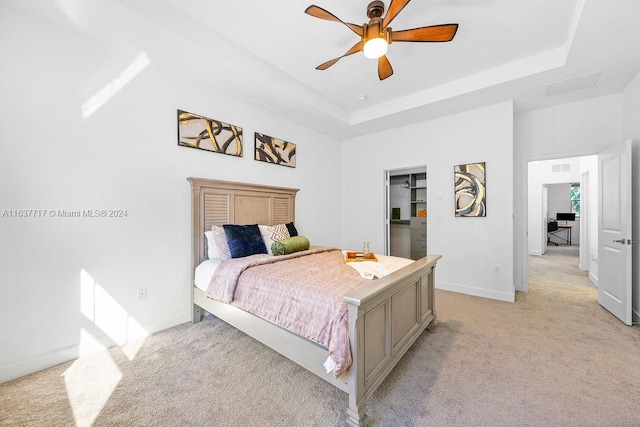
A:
(375, 47)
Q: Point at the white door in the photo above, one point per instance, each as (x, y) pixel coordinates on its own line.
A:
(614, 230)
(545, 217)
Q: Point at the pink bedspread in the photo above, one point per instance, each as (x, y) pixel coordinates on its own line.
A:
(302, 292)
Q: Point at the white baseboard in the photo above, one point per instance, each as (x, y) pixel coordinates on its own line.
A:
(167, 322)
(594, 279)
(56, 357)
(501, 296)
(38, 363)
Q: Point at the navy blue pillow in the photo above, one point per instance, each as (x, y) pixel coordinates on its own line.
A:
(292, 229)
(244, 240)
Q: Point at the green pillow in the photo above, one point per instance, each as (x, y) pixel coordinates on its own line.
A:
(290, 245)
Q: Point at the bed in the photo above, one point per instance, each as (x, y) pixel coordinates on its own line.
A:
(385, 317)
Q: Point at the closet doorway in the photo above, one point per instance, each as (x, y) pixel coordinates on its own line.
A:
(406, 207)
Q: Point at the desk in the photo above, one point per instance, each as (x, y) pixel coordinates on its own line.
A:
(563, 228)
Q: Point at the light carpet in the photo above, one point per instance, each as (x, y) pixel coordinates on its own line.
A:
(552, 358)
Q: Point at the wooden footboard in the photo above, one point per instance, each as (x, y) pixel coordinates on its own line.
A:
(385, 319)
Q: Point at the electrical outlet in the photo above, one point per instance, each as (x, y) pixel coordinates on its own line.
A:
(496, 269)
(142, 294)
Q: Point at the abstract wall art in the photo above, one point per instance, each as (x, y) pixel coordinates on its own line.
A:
(200, 132)
(276, 151)
(470, 189)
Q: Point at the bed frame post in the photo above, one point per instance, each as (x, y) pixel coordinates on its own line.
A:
(198, 313)
(355, 412)
(357, 402)
(196, 250)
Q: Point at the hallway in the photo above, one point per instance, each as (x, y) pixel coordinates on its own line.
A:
(559, 267)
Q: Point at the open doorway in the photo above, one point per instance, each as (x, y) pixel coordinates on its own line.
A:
(406, 207)
(560, 220)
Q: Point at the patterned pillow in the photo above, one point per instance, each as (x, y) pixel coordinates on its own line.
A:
(220, 239)
(244, 240)
(273, 233)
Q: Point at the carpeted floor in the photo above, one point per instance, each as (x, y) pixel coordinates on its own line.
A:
(552, 358)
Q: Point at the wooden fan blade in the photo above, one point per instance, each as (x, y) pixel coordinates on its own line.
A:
(394, 8)
(356, 48)
(384, 67)
(318, 12)
(433, 33)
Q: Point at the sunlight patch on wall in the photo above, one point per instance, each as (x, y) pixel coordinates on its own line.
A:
(93, 377)
(98, 306)
(106, 93)
(87, 296)
(136, 336)
(110, 316)
(90, 381)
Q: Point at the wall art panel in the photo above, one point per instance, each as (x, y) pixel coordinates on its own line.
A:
(200, 132)
(276, 151)
(470, 189)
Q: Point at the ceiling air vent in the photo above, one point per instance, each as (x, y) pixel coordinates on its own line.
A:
(585, 81)
(564, 167)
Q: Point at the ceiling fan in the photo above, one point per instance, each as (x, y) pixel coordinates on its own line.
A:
(376, 35)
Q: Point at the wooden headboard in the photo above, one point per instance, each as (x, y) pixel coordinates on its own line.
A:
(215, 202)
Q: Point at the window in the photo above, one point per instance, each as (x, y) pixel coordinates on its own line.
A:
(575, 199)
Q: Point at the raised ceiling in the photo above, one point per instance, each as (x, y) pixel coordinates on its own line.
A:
(266, 53)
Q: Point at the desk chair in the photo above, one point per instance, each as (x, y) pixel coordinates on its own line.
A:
(552, 226)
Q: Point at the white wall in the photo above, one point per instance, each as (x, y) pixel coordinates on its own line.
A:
(569, 130)
(631, 130)
(124, 156)
(480, 244)
(559, 200)
(580, 128)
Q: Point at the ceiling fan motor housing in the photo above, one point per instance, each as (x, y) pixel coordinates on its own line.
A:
(375, 9)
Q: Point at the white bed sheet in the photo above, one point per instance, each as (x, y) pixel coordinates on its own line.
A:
(204, 272)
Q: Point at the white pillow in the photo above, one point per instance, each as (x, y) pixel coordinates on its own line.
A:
(212, 251)
(273, 233)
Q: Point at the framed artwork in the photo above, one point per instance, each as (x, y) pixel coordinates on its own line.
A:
(276, 151)
(470, 189)
(200, 132)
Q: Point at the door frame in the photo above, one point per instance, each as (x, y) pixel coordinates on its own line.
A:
(387, 208)
(524, 228)
(585, 220)
(545, 218)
